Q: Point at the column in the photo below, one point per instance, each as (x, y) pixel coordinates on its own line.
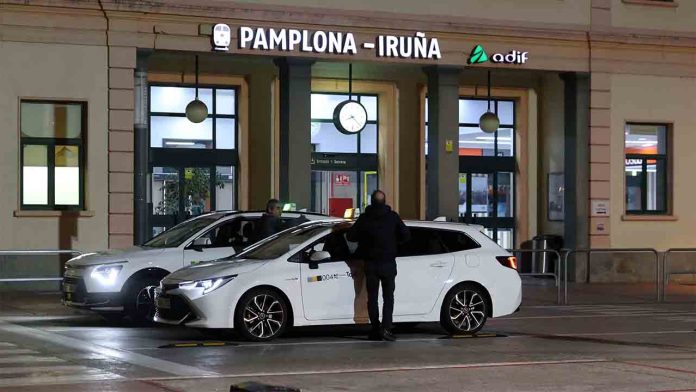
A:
(261, 176)
(576, 172)
(122, 61)
(295, 122)
(142, 147)
(600, 155)
(442, 163)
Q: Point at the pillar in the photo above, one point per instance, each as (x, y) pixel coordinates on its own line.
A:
(442, 162)
(142, 147)
(295, 122)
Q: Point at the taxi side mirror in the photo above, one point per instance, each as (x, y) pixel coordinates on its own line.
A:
(318, 257)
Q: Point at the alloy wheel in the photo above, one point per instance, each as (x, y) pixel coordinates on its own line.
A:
(144, 304)
(467, 310)
(263, 316)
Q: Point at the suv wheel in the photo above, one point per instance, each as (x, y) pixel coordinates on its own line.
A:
(139, 305)
(261, 315)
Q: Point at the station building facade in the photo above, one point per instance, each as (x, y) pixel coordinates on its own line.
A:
(596, 101)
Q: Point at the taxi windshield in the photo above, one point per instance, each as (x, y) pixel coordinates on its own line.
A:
(178, 234)
(281, 243)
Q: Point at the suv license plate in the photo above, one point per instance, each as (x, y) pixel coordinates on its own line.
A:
(164, 303)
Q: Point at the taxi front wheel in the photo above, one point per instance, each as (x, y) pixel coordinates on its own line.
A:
(261, 315)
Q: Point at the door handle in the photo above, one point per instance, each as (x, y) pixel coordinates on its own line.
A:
(439, 264)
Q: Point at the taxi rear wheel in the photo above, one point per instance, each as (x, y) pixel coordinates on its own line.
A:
(261, 315)
(465, 310)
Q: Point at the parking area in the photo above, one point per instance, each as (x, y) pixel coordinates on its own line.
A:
(623, 347)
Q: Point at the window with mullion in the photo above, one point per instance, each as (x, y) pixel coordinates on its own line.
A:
(326, 138)
(646, 168)
(52, 155)
(169, 127)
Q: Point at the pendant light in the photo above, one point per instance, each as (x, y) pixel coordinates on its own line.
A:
(489, 121)
(196, 110)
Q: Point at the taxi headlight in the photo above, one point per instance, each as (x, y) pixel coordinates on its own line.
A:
(207, 285)
(106, 274)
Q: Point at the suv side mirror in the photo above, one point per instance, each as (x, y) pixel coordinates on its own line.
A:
(318, 257)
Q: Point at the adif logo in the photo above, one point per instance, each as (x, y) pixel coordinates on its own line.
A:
(478, 55)
(221, 37)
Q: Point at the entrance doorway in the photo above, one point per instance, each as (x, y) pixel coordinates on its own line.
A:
(487, 169)
(344, 167)
(193, 167)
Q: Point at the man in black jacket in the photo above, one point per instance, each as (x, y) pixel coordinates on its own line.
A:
(378, 232)
(270, 222)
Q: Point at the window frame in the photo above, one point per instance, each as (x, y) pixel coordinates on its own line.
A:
(357, 97)
(51, 144)
(361, 162)
(644, 158)
(212, 114)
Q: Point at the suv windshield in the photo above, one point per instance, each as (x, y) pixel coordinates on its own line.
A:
(279, 244)
(178, 234)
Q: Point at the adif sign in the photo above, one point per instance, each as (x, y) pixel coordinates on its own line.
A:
(514, 57)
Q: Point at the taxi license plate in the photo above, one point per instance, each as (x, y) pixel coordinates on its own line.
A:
(164, 303)
(69, 288)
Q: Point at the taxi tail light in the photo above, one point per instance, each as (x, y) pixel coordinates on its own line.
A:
(508, 261)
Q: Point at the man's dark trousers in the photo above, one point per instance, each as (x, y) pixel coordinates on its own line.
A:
(383, 272)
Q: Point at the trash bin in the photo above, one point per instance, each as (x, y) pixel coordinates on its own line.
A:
(545, 262)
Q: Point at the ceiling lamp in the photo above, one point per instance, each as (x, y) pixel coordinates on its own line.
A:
(489, 121)
(196, 110)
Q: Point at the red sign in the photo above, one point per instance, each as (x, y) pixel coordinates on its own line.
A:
(342, 180)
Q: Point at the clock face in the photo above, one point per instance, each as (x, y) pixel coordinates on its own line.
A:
(350, 117)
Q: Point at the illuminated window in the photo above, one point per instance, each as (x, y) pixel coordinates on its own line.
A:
(52, 155)
(646, 168)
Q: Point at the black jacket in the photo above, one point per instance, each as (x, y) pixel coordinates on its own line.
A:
(378, 232)
(266, 226)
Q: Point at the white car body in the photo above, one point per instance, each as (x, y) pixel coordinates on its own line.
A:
(327, 295)
(85, 289)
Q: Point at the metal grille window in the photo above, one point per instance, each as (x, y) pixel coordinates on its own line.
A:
(52, 155)
(646, 168)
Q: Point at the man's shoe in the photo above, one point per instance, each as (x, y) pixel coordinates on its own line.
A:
(375, 335)
(388, 335)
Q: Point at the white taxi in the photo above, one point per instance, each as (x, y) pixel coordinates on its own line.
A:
(448, 272)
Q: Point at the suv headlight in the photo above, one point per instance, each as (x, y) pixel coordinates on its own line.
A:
(207, 285)
(106, 274)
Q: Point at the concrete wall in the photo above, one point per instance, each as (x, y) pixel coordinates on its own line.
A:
(625, 13)
(53, 72)
(555, 11)
(669, 100)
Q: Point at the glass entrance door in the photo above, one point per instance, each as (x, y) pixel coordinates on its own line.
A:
(487, 167)
(192, 166)
(487, 199)
(180, 193)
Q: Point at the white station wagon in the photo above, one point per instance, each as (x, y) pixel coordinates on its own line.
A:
(113, 283)
(448, 272)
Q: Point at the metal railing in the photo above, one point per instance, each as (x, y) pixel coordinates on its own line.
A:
(667, 270)
(44, 252)
(589, 253)
(557, 263)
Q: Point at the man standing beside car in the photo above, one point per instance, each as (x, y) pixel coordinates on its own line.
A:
(378, 233)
